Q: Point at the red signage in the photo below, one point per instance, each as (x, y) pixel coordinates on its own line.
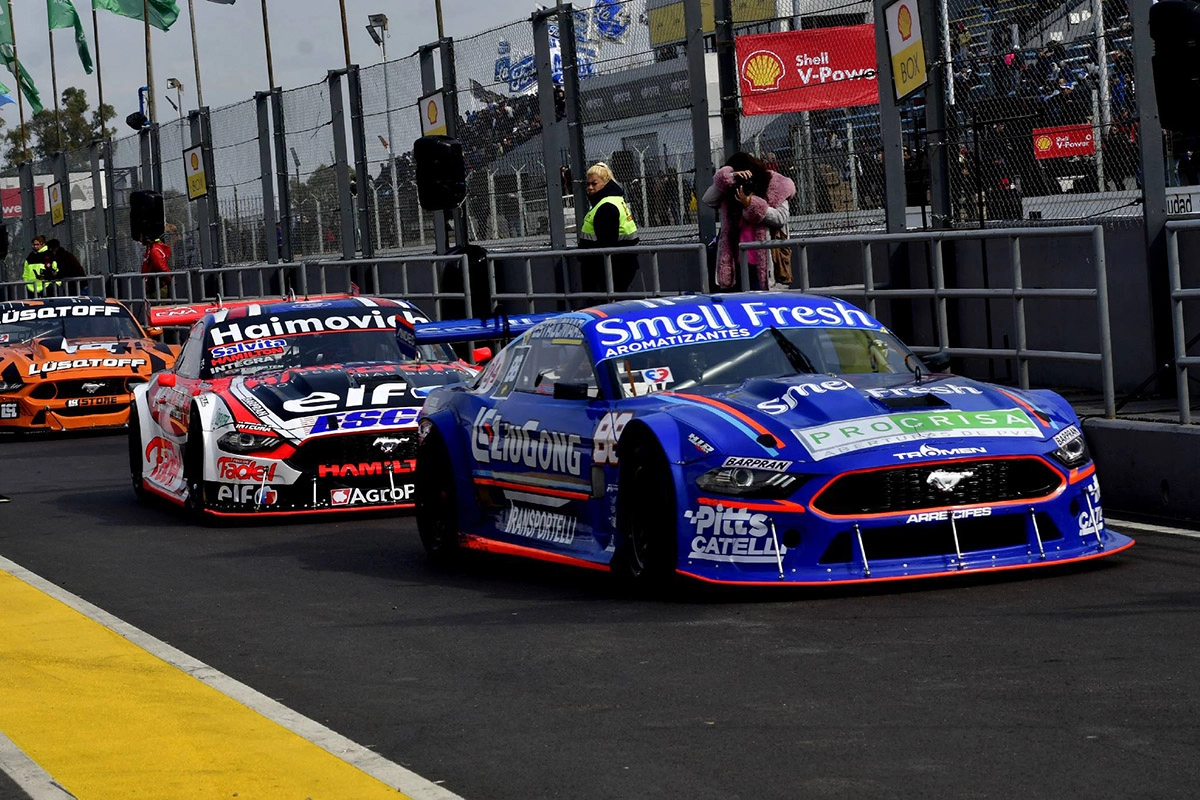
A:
(808, 70)
(11, 199)
(1063, 141)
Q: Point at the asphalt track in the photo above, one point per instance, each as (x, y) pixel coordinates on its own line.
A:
(515, 680)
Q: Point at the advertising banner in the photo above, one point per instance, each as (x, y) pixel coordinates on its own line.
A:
(808, 70)
(1063, 142)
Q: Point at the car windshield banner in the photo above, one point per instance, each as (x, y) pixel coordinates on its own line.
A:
(808, 70)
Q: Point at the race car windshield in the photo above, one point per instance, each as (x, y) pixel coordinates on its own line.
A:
(104, 322)
(774, 352)
(371, 346)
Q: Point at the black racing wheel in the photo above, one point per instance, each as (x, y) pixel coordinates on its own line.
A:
(646, 549)
(437, 502)
(193, 467)
(136, 466)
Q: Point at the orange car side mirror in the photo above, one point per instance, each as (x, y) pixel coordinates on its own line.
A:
(154, 333)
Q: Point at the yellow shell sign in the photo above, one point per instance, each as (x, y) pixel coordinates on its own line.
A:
(1043, 143)
(904, 23)
(432, 113)
(763, 71)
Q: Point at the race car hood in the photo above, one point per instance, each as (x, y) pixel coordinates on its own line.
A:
(836, 415)
(54, 357)
(296, 393)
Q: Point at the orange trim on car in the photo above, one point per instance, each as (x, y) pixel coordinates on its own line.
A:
(534, 489)
(754, 425)
(777, 505)
(1078, 475)
(998, 504)
(922, 576)
(473, 542)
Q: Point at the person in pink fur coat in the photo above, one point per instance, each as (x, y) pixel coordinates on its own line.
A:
(752, 201)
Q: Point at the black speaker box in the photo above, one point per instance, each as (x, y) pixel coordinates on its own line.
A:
(441, 172)
(147, 217)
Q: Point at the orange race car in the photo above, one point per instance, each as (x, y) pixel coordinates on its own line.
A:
(70, 363)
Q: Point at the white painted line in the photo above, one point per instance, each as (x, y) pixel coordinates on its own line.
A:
(1118, 524)
(32, 779)
(375, 765)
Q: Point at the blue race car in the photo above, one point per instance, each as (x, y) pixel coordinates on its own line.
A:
(761, 438)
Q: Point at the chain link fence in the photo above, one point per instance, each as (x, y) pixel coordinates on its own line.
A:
(238, 183)
(316, 210)
(1042, 114)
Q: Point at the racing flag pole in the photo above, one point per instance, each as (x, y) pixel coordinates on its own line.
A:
(12, 29)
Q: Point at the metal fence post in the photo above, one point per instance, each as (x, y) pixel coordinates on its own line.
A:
(702, 162)
(341, 163)
(28, 209)
(208, 217)
(110, 208)
(156, 160)
(553, 138)
(1018, 281)
(727, 78)
(890, 132)
(576, 146)
(429, 85)
(1106, 356)
(96, 150)
(366, 186)
(282, 171)
(270, 220)
(63, 177)
(450, 93)
(1182, 393)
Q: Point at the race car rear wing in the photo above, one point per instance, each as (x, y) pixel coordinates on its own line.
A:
(409, 335)
(184, 316)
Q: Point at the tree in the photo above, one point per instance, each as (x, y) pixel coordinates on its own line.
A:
(79, 124)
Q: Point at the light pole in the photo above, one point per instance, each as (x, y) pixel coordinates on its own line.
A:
(378, 28)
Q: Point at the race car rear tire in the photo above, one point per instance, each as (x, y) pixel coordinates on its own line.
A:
(437, 502)
(193, 468)
(645, 556)
(136, 467)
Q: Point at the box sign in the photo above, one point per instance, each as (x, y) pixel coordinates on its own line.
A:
(1063, 142)
(433, 114)
(807, 70)
(57, 209)
(665, 17)
(193, 167)
(906, 48)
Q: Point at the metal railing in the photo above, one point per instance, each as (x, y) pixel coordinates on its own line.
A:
(67, 287)
(565, 280)
(1179, 332)
(941, 295)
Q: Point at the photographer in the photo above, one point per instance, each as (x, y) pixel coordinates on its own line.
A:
(752, 201)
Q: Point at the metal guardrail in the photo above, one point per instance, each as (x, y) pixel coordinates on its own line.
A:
(564, 276)
(1179, 332)
(941, 295)
(68, 287)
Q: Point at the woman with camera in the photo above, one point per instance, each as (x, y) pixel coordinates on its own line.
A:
(753, 203)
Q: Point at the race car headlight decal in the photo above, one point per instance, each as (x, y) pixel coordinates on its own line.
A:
(746, 482)
(238, 442)
(1072, 447)
(14, 386)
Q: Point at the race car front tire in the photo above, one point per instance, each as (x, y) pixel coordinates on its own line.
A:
(193, 467)
(437, 502)
(136, 467)
(645, 555)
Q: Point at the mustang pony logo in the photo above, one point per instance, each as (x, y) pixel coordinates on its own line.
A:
(92, 387)
(387, 444)
(945, 481)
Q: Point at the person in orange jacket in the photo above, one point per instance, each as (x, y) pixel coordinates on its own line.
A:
(156, 260)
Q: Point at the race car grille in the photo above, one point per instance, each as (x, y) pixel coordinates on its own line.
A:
(903, 489)
(924, 539)
(87, 411)
(78, 389)
(354, 447)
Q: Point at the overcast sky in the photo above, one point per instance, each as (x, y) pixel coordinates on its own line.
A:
(306, 41)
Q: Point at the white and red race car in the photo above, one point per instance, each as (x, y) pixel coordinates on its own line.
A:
(287, 407)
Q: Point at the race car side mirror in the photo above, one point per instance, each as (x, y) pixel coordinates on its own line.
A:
(154, 333)
(167, 379)
(570, 391)
(937, 362)
(481, 355)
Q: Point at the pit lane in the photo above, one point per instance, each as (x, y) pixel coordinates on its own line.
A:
(514, 680)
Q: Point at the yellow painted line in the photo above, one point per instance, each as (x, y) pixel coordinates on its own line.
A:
(110, 712)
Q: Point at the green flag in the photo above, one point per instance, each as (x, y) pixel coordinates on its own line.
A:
(163, 13)
(8, 51)
(63, 15)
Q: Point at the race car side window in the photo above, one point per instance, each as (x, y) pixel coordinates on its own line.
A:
(188, 365)
(552, 361)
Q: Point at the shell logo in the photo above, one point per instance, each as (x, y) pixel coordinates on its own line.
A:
(1043, 143)
(904, 22)
(195, 161)
(432, 112)
(762, 70)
